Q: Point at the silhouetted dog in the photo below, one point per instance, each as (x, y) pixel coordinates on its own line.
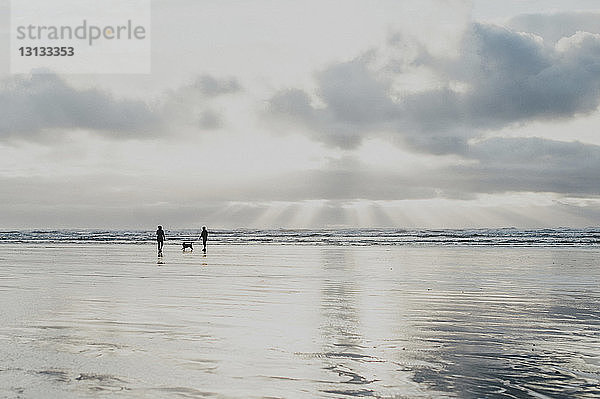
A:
(188, 245)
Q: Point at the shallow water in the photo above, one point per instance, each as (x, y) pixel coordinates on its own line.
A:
(283, 321)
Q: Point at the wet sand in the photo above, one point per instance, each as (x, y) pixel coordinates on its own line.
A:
(284, 321)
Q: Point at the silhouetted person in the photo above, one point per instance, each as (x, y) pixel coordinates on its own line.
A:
(160, 238)
(204, 236)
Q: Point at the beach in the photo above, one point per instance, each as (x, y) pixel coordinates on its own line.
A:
(95, 320)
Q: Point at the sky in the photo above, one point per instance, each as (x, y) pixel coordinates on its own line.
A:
(287, 114)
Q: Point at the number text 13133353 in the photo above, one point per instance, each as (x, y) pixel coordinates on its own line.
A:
(46, 51)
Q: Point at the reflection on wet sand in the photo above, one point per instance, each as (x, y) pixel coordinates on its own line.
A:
(301, 322)
(491, 340)
(340, 328)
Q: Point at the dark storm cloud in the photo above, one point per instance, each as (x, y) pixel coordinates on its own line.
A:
(553, 27)
(31, 105)
(506, 77)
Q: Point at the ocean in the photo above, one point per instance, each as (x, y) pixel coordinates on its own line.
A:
(495, 237)
(381, 313)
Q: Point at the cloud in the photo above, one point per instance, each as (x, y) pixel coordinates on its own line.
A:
(30, 105)
(205, 88)
(33, 105)
(501, 77)
(336, 184)
(191, 104)
(514, 78)
(102, 201)
(355, 101)
(212, 87)
(210, 120)
(528, 165)
(555, 26)
(491, 166)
